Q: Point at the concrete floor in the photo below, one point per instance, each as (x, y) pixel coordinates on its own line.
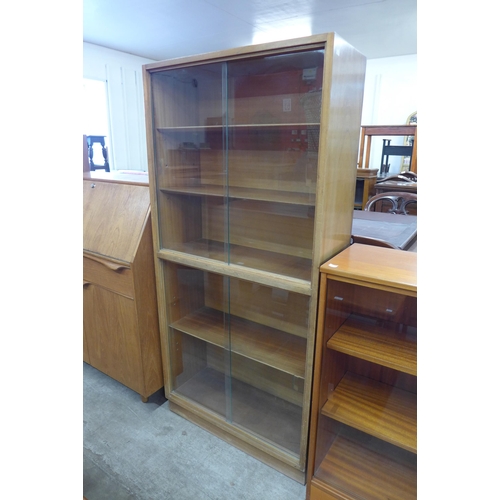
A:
(143, 451)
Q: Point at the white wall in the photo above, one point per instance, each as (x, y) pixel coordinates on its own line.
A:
(123, 74)
(390, 97)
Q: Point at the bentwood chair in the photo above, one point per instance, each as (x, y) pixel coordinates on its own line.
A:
(394, 202)
(409, 175)
(400, 177)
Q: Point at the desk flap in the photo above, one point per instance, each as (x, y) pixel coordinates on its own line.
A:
(114, 216)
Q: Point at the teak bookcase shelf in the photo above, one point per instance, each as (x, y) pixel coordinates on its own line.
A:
(120, 313)
(252, 168)
(363, 440)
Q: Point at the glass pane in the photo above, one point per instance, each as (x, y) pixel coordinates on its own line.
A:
(278, 89)
(194, 96)
(352, 302)
(236, 160)
(247, 366)
(191, 190)
(271, 236)
(273, 136)
(268, 330)
(199, 337)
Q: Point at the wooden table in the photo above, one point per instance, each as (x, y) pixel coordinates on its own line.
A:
(400, 230)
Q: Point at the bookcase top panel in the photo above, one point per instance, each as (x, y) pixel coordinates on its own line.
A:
(376, 265)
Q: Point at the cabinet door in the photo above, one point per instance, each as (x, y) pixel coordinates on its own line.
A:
(198, 333)
(189, 118)
(238, 349)
(274, 106)
(236, 160)
(110, 325)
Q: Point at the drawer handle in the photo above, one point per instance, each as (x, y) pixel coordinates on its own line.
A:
(86, 284)
(113, 266)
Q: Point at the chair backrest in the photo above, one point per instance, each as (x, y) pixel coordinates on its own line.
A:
(366, 240)
(399, 177)
(398, 202)
(409, 175)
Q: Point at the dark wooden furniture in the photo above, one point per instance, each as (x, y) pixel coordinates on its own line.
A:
(389, 150)
(363, 435)
(409, 175)
(394, 202)
(97, 139)
(395, 185)
(367, 132)
(399, 178)
(398, 231)
(365, 186)
(120, 314)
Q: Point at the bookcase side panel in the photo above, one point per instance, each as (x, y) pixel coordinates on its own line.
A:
(339, 140)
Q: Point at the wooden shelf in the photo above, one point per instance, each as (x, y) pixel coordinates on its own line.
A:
(271, 195)
(252, 409)
(266, 345)
(273, 227)
(272, 262)
(384, 345)
(363, 437)
(237, 126)
(353, 470)
(380, 410)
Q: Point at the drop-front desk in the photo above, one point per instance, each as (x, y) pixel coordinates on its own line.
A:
(120, 314)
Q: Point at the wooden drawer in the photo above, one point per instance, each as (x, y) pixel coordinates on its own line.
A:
(115, 277)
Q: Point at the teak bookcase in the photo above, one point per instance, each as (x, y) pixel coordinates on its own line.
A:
(363, 439)
(120, 314)
(252, 168)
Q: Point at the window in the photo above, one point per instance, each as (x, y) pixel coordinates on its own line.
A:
(95, 114)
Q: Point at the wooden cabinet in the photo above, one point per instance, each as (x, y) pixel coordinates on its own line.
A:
(120, 314)
(363, 440)
(252, 168)
(365, 186)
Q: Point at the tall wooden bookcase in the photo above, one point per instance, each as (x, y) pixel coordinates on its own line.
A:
(252, 168)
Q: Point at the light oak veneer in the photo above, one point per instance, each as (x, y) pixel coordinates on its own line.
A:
(363, 439)
(252, 165)
(120, 314)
